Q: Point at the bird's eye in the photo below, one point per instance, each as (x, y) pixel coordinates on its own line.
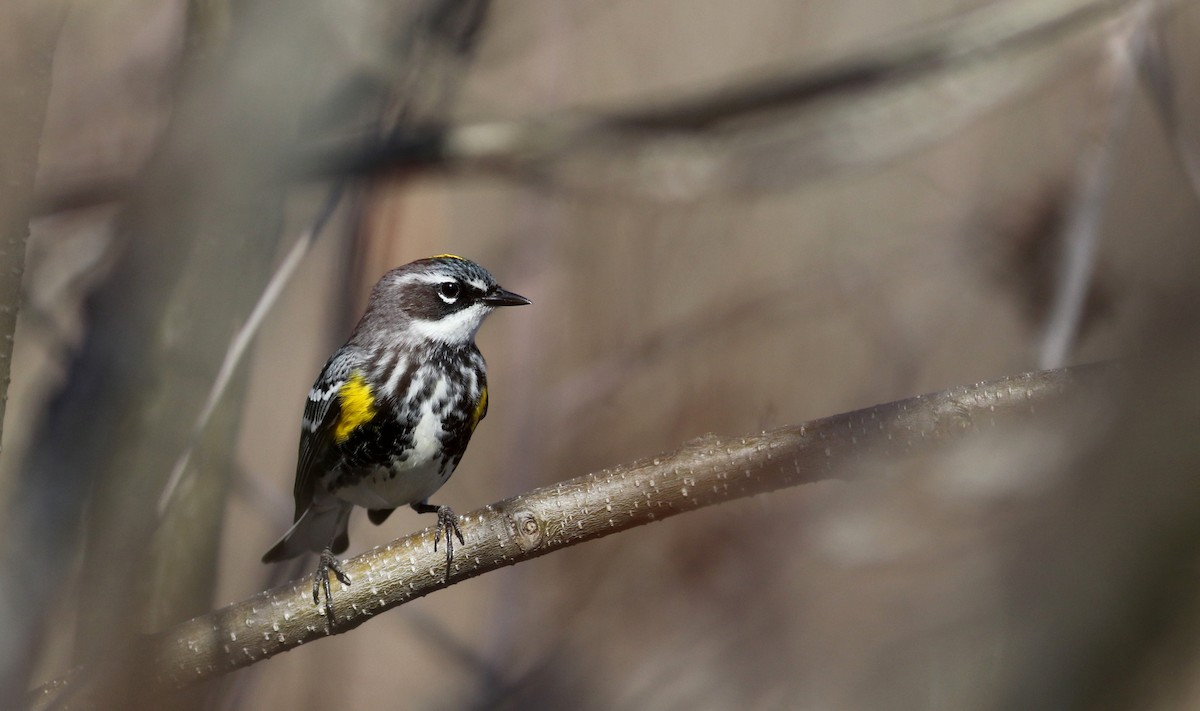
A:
(449, 291)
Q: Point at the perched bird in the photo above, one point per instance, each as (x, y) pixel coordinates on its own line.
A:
(391, 413)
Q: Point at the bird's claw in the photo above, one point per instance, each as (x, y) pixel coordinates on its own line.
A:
(329, 564)
(447, 523)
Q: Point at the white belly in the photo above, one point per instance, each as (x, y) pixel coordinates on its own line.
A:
(400, 486)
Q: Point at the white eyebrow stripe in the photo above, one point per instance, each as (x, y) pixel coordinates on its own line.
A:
(478, 284)
(423, 279)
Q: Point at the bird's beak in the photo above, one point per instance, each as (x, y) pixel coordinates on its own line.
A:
(504, 297)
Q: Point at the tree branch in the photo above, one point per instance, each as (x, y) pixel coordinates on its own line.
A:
(706, 471)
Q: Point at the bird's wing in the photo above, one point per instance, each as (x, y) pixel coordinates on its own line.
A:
(321, 414)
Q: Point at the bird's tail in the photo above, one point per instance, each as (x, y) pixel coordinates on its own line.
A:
(315, 530)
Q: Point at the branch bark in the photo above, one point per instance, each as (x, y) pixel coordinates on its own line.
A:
(704, 472)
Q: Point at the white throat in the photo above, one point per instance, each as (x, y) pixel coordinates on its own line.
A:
(456, 329)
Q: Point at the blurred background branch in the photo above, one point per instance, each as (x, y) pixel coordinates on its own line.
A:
(804, 123)
(858, 110)
(1082, 221)
(29, 31)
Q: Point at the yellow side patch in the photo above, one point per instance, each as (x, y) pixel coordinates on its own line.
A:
(358, 407)
(480, 409)
(448, 256)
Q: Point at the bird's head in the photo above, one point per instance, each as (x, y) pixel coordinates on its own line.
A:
(443, 298)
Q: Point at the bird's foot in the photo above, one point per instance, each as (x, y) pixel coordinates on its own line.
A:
(329, 564)
(447, 523)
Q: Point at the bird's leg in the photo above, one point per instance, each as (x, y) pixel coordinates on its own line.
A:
(447, 523)
(329, 564)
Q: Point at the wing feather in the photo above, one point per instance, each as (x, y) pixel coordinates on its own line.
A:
(317, 448)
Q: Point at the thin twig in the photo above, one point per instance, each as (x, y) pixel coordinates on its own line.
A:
(242, 339)
(1081, 234)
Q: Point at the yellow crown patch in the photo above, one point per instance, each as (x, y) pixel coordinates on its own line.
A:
(448, 256)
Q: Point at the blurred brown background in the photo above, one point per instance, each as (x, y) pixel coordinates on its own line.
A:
(654, 320)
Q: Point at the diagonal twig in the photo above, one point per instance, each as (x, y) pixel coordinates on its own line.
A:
(245, 335)
(1084, 221)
